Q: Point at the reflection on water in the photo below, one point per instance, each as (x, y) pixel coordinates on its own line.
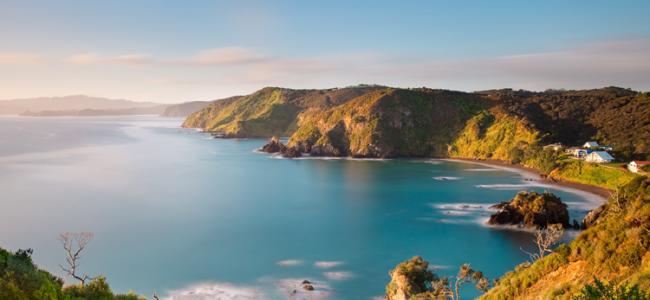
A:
(176, 211)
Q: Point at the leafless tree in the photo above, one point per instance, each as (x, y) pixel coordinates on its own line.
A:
(74, 245)
(545, 239)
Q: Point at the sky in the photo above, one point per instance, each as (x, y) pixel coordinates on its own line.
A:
(174, 51)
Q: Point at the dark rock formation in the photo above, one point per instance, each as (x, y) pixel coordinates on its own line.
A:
(531, 210)
(273, 146)
(290, 152)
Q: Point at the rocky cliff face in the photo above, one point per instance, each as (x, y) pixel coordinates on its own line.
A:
(387, 123)
(267, 112)
(531, 210)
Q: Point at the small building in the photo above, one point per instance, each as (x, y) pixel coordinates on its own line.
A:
(591, 145)
(599, 157)
(635, 165)
(577, 152)
(554, 146)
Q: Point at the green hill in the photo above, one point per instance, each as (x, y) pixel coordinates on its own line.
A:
(375, 121)
(267, 112)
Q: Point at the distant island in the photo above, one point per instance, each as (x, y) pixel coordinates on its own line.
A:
(82, 106)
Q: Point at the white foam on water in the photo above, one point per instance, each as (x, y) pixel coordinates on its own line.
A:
(327, 264)
(462, 206)
(216, 290)
(289, 262)
(506, 186)
(443, 178)
(337, 275)
(292, 288)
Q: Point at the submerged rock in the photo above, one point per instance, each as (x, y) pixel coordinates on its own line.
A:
(531, 210)
(273, 146)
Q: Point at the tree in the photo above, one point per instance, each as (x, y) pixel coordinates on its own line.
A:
(74, 245)
(465, 275)
(545, 238)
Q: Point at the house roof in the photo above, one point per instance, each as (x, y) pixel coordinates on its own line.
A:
(604, 155)
(641, 162)
(591, 144)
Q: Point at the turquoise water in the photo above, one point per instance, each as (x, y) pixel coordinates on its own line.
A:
(175, 211)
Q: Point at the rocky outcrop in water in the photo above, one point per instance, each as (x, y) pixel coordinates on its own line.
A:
(409, 279)
(273, 146)
(531, 210)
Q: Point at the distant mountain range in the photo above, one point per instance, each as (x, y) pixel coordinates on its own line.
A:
(81, 105)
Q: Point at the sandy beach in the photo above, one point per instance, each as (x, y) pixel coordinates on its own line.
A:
(531, 174)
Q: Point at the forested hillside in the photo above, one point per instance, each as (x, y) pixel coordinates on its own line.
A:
(373, 121)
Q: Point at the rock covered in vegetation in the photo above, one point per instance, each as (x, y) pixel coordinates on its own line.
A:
(531, 210)
(408, 279)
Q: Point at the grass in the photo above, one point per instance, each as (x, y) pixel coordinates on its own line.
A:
(607, 176)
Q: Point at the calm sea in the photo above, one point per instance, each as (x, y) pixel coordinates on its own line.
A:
(177, 212)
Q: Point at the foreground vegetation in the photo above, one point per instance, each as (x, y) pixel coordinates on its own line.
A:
(21, 279)
(614, 250)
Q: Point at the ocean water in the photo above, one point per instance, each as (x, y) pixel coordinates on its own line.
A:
(179, 213)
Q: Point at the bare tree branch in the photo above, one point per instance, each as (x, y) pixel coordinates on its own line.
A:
(74, 244)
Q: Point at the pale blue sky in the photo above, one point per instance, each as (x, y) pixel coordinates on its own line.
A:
(191, 50)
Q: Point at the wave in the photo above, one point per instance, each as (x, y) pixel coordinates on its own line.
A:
(337, 275)
(480, 170)
(506, 186)
(462, 206)
(327, 264)
(289, 262)
(217, 290)
(444, 178)
(292, 288)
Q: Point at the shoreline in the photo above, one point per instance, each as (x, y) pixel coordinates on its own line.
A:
(529, 173)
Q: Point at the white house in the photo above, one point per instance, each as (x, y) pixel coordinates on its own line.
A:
(591, 145)
(577, 152)
(599, 157)
(554, 146)
(635, 165)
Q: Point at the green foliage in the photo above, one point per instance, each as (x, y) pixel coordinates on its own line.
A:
(413, 279)
(490, 135)
(600, 290)
(616, 248)
(21, 279)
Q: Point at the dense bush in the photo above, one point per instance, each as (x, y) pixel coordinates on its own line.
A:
(20, 279)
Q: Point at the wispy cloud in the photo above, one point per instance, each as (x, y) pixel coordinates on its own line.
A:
(13, 58)
(95, 58)
(228, 56)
